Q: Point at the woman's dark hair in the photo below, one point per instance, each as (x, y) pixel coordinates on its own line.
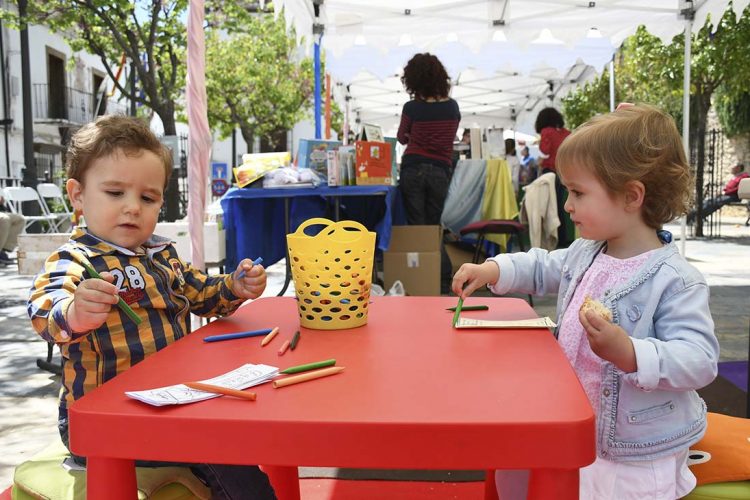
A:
(510, 146)
(425, 76)
(548, 117)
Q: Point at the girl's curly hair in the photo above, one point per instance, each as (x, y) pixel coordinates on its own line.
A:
(425, 76)
(639, 143)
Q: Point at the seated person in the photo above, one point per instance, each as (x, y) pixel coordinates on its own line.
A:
(117, 174)
(730, 194)
(11, 225)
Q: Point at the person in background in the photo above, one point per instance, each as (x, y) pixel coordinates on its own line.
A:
(429, 122)
(514, 165)
(641, 366)
(11, 225)
(730, 194)
(550, 126)
(117, 173)
(529, 168)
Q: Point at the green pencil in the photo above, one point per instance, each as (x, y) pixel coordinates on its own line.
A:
(309, 366)
(470, 308)
(120, 303)
(458, 310)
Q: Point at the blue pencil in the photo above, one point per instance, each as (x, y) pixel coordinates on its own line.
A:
(239, 335)
(255, 263)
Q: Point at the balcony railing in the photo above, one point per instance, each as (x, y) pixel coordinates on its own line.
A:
(61, 105)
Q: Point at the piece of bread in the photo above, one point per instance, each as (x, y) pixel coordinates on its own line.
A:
(590, 304)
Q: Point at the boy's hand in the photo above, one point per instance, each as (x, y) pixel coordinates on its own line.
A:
(251, 285)
(474, 276)
(92, 302)
(609, 341)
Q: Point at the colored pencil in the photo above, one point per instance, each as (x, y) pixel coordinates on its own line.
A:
(124, 307)
(470, 308)
(268, 338)
(283, 348)
(238, 335)
(295, 340)
(200, 386)
(308, 366)
(255, 263)
(304, 377)
(458, 310)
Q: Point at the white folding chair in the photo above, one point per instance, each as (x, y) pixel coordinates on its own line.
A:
(17, 196)
(63, 214)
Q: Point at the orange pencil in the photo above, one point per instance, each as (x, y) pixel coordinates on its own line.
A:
(304, 377)
(268, 338)
(283, 347)
(250, 396)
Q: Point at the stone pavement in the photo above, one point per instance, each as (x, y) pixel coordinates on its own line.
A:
(28, 395)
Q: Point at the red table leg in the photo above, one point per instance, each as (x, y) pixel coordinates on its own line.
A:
(490, 489)
(559, 484)
(285, 481)
(110, 478)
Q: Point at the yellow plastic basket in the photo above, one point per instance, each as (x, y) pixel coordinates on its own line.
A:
(332, 273)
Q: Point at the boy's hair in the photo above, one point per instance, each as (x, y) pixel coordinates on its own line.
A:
(109, 134)
(548, 117)
(638, 143)
(425, 76)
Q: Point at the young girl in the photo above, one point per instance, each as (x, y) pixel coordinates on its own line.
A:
(627, 175)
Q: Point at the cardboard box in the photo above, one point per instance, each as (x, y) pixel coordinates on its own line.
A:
(414, 258)
(373, 163)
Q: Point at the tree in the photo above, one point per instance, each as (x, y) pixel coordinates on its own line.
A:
(150, 33)
(650, 71)
(255, 80)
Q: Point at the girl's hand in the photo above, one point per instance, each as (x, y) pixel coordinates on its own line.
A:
(609, 341)
(474, 276)
(92, 302)
(252, 284)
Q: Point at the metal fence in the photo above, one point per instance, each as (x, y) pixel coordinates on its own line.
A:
(69, 104)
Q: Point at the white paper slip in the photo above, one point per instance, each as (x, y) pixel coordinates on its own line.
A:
(243, 377)
(518, 323)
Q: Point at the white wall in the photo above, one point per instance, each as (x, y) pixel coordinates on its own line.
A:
(80, 76)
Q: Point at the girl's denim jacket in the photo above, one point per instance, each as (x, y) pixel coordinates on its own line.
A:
(654, 411)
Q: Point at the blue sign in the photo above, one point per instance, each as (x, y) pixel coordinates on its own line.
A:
(219, 187)
(219, 170)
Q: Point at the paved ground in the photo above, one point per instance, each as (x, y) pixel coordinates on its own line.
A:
(28, 395)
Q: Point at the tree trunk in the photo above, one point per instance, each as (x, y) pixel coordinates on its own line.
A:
(702, 104)
(172, 196)
(248, 136)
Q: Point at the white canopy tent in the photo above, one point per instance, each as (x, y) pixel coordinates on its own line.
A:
(512, 56)
(495, 42)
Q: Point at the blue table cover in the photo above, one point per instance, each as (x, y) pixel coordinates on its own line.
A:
(254, 217)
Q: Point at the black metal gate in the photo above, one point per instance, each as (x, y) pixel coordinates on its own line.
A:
(713, 181)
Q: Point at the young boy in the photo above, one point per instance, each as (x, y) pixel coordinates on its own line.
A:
(117, 172)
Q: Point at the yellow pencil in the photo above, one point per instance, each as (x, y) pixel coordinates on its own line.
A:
(268, 338)
(304, 377)
(200, 386)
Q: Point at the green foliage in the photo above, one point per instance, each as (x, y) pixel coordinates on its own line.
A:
(650, 71)
(734, 113)
(255, 79)
(150, 33)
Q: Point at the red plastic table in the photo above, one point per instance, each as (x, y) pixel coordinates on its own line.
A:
(416, 394)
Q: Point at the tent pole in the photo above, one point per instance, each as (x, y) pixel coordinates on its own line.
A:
(612, 84)
(686, 113)
(317, 87)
